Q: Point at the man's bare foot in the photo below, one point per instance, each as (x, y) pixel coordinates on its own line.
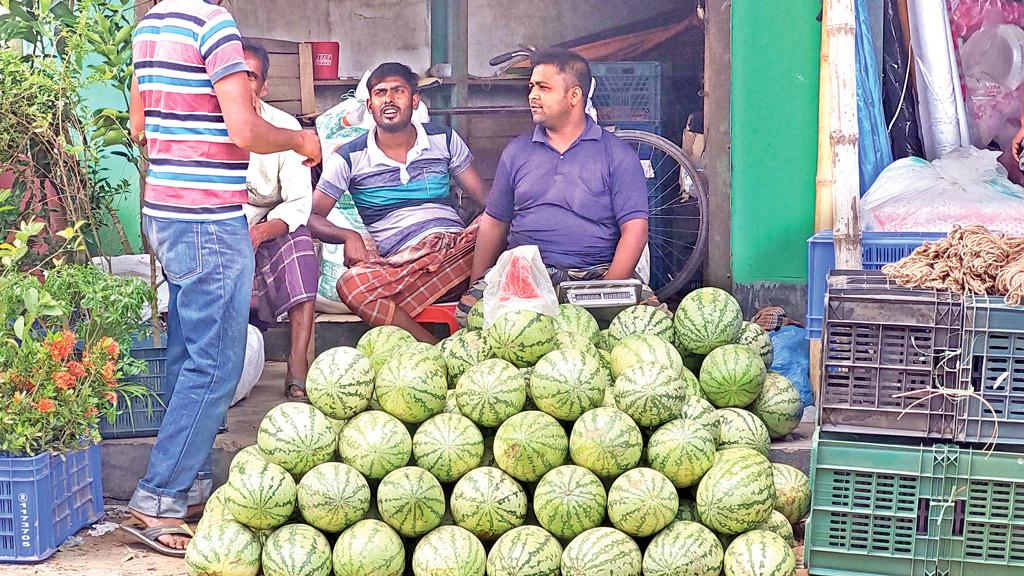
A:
(171, 541)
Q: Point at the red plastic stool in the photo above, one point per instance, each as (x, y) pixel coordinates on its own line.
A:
(440, 314)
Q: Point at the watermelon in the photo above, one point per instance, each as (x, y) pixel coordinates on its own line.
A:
(491, 392)
(602, 552)
(793, 492)
(603, 341)
(759, 553)
(380, 343)
(683, 451)
(641, 502)
(463, 350)
(687, 511)
(736, 494)
(754, 336)
(449, 551)
(641, 319)
(247, 454)
(297, 550)
(691, 361)
(577, 320)
(530, 444)
(567, 383)
(224, 548)
(778, 524)
(737, 452)
(375, 443)
(707, 318)
(488, 503)
(216, 509)
(701, 411)
(651, 394)
(684, 549)
(779, 405)
(448, 446)
(475, 319)
(412, 385)
(340, 382)
(525, 551)
(369, 548)
(522, 337)
(644, 348)
(297, 437)
(261, 496)
(451, 403)
(411, 501)
(606, 441)
(574, 341)
(737, 427)
(732, 376)
(605, 358)
(332, 497)
(568, 501)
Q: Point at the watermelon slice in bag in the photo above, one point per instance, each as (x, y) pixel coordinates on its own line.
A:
(519, 281)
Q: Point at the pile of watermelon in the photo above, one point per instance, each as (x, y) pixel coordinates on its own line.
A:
(540, 446)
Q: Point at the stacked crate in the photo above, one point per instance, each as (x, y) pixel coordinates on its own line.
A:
(918, 464)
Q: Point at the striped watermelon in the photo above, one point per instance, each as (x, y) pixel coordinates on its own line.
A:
(605, 358)
(602, 552)
(449, 551)
(567, 383)
(759, 553)
(297, 550)
(683, 451)
(732, 376)
(340, 382)
(690, 383)
(737, 452)
(606, 441)
(522, 337)
(641, 502)
(332, 497)
(411, 501)
(706, 319)
(641, 319)
(651, 394)
(793, 492)
(451, 403)
(644, 348)
(530, 444)
(491, 392)
(216, 509)
(224, 548)
(412, 385)
(754, 336)
(692, 362)
(247, 454)
(698, 410)
(475, 319)
(737, 428)
(380, 343)
(369, 548)
(779, 405)
(684, 549)
(448, 446)
(574, 341)
(297, 437)
(488, 503)
(687, 511)
(736, 494)
(375, 443)
(525, 551)
(568, 501)
(577, 320)
(603, 342)
(778, 524)
(462, 350)
(261, 496)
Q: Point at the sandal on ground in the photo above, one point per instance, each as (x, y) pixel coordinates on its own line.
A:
(293, 385)
(148, 536)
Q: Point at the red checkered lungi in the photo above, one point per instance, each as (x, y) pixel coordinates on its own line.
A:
(413, 278)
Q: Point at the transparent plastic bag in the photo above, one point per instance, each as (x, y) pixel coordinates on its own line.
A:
(519, 281)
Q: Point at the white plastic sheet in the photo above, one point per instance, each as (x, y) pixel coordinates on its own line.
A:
(519, 281)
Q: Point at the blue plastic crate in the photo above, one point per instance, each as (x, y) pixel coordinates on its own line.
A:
(627, 91)
(877, 248)
(45, 499)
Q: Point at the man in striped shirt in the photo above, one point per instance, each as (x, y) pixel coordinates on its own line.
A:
(192, 105)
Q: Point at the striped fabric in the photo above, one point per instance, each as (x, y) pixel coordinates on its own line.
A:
(401, 203)
(180, 49)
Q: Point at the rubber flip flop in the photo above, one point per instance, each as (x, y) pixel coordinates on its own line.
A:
(149, 537)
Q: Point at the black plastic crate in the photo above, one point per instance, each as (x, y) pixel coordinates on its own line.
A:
(884, 348)
(627, 91)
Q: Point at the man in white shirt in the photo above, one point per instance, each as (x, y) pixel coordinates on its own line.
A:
(280, 201)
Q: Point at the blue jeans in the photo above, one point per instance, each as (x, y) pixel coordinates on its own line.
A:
(209, 268)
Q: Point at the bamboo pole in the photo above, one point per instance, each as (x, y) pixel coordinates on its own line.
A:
(824, 180)
(841, 28)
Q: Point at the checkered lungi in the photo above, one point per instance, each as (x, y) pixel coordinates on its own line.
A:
(412, 278)
(287, 272)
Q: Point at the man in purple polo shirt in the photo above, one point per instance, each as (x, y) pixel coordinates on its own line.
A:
(572, 189)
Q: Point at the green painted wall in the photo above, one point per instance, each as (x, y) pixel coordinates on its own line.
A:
(775, 51)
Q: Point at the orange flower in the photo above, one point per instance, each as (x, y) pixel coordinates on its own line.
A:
(76, 369)
(64, 380)
(112, 398)
(61, 346)
(109, 345)
(46, 405)
(91, 411)
(109, 372)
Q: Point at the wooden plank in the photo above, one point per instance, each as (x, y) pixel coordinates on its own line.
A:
(284, 65)
(293, 107)
(717, 130)
(281, 90)
(277, 46)
(307, 94)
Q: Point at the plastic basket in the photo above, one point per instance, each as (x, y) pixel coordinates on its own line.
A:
(913, 510)
(143, 416)
(877, 250)
(627, 91)
(45, 499)
(884, 347)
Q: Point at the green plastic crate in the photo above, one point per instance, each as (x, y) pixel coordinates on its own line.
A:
(914, 510)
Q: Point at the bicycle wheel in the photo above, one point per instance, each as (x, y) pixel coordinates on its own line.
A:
(678, 221)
